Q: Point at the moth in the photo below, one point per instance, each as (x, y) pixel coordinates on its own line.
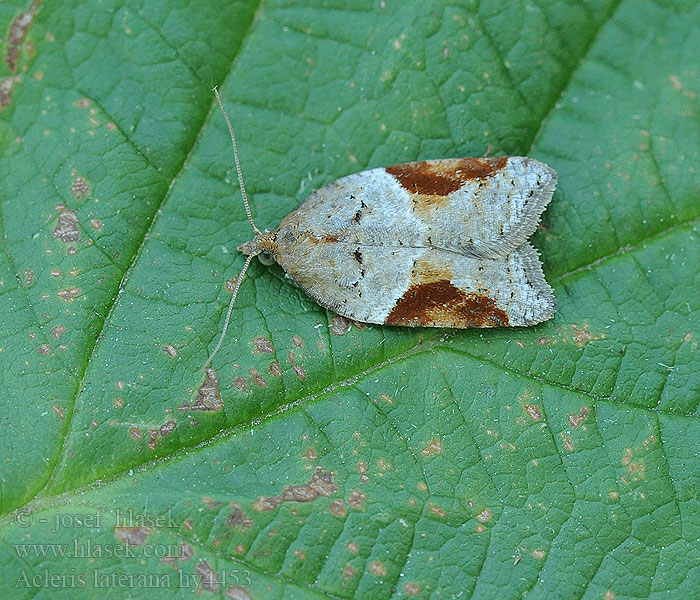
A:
(435, 243)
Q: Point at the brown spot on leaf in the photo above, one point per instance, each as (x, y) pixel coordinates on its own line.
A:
(170, 350)
(441, 303)
(348, 571)
(237, 519)
(310, 454)
(433, 447)
(210, 503)
(439, 179)
(208, 397)
(69, 294)
(44, 348)
(67, 229)
(353, 547)
(257, 378)
(18, 31)
(484, 516)
(276, 369)
(582, 336)
(58, 331)
(533, 411)
(298, 341)
(208, 579)
(262, 345)
(568, 443)
(411, 589)
(167, 428)
(321, 484)
(576, 420)
(80, 189)
(132, 536)
(338, 508)
(240, 383)
(377, 568)
(96, 224)
(300, 372)
(236, 592)
(357, 499)
(6, 87)
(152, 439)
(59, 412)
(136, 433)
(339, 325)
(188, 524)
(436, 510)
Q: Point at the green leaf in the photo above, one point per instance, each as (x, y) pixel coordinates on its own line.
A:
(323, 459)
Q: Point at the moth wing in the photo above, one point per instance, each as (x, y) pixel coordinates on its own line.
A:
(422, 286)
(479, 207)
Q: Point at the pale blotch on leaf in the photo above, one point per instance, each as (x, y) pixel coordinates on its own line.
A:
(357, 499)
(262, 345)
(568, 443)
(321, 484)
(18, 30)
(411, 589)
(257, 378)
(236, 592)
(167, 428)
(433, 447)
(80, 188)
(338, 508)
(276, 369)
(238, 519)
(69, 294)
(208, 397)
(582, 336)
(208, 579)
(576, 420)
(533, 411)
(339, 325)
(484, 516)
(132, 536)
(67, 229)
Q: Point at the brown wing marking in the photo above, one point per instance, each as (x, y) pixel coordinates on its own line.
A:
(441, 304)
(442, 177)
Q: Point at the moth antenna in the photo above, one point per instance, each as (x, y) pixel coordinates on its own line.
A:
(230, 309)
(238, 163)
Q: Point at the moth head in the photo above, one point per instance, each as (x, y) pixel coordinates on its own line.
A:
(263, 245)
